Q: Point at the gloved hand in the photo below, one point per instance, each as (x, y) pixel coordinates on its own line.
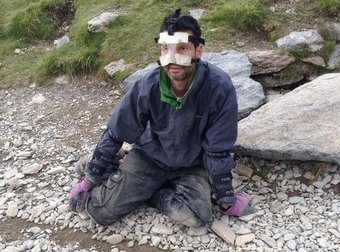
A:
(79, 195)
(242, 206)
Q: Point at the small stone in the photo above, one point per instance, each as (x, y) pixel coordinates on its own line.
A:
(130, 244)
(205, 239)
(161, 229)
(318, 184)
(114, 67)
(114, 239)
(37, 99)
(31, 168)
(291, 244)
(268, 240)
(197, 231)
(309, 176)
(243, 239)
(17, 143)
(334, 232)
(35, 230)
(144, 240)
(288, 237)
(12, 210)
(223, 231)
(62, 80)
(296, 200)
(63, 208)
(155, 240)
(281, 196)
(243, 231)
(289, 211)
(244, 170)
(56, 170)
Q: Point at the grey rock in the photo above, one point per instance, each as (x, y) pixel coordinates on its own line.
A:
(197, 231)
(115, 66)
(309, 39)
(114, 239)
(318, 184)
(62, 80)
(62, 41)
(12, 210)
(159, 228)
(291, 244)
(243, 231)
(316, 61)
(99, 23)
(296, 200)
(56, 170)
(196, 13)
(244, 239)
(223, 231)
(286, 123)
(335, 27)
(205, 239)
(31, 168)
(155, 240)
(279, 80)
(136, 76)
(268, 240)
(268, 61)
(249, 92)
(334, 59)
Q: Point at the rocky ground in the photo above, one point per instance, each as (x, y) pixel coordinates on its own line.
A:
(44, 131)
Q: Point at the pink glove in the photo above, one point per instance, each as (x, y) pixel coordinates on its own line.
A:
(79, 195)
(242, 205)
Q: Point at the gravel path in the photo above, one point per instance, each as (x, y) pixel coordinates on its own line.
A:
(44, 131)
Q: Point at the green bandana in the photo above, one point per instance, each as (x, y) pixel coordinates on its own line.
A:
(166, 94)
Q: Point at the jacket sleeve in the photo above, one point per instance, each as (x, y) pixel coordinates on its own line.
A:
(127, 122)
(219, 140)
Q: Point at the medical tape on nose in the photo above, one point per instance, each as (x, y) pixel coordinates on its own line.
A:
(178, 59)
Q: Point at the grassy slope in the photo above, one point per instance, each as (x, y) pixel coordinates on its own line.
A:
(27, 24)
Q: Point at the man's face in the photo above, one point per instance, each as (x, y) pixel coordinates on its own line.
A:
(179, 72)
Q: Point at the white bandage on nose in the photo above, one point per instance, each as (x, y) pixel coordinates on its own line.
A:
(171, 42)
(171, 56)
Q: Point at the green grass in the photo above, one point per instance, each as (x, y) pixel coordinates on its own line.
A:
(20, 67)
(330, 7)
(239, 14)
(30, 24)
(36, 21)
(27, 23)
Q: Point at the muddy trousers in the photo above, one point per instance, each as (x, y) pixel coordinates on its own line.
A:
(183, 195)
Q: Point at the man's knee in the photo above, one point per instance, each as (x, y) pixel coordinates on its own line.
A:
(101, 215)
(186, 216)
(190, 212)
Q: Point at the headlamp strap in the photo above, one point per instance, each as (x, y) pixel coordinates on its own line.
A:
(172, 21)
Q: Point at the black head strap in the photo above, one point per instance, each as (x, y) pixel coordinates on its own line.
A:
(172, 21)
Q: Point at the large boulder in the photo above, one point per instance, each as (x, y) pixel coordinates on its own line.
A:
(301, 125)
(249, 93)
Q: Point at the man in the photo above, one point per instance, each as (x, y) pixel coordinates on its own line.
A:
(182, 119)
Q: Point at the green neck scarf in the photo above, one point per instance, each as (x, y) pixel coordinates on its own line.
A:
(165, 87)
